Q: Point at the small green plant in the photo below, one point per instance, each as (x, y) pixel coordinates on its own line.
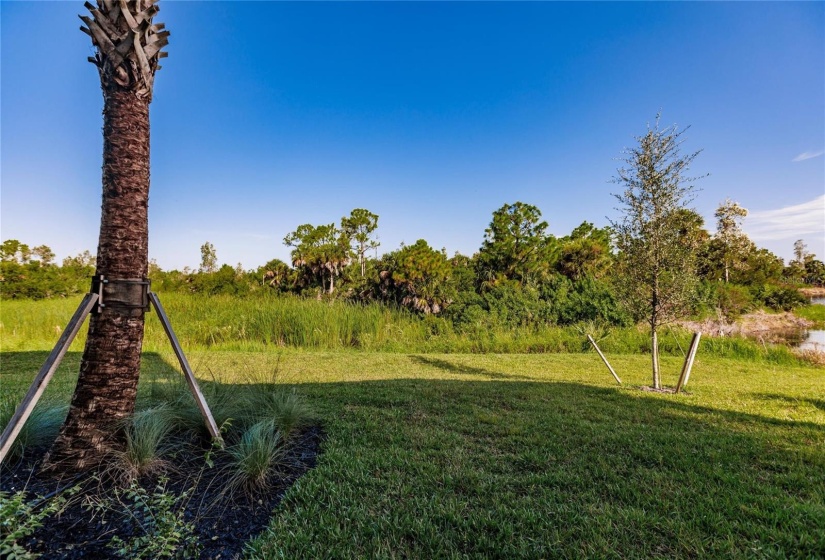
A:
(254, 456)
(146, 433)
(19, 519)
(163, 532)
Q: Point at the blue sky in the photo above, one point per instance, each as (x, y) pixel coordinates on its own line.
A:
(432, 115)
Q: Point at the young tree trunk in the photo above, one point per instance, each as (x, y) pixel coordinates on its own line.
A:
(654, 339)
(110, 367)
(655, 356)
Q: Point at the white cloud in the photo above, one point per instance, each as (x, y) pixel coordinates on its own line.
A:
(808, 155)
(793, 221)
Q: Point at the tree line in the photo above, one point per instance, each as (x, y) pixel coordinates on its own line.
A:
(521, 274)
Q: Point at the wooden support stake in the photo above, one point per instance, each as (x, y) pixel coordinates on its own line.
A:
(593, 342)
(45, 375)
(187, 371)
(694, 347)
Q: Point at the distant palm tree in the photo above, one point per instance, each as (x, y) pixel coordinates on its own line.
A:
(128, 47)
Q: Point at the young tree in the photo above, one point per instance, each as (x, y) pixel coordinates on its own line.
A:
(209, 258)
(814, 271)
(656, 263)
(128, 47)
(516, 245)
(275, 274)
(359, 228)
(729, 233)
(796, 267)
(800, 250)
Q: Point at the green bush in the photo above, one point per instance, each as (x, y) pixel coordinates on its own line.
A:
(779, 297)
(733, 300)
(593, 300)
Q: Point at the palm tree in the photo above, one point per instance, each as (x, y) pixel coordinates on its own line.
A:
(128, 47)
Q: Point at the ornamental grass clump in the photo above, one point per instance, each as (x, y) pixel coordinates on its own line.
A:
(253, 458)
(146, 439)
(287, 410)
(226, 403)
(40, 428)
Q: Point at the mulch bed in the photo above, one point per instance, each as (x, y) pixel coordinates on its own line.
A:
(224, 520)
(664, 390)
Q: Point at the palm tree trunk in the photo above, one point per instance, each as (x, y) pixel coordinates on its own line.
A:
(110, 367)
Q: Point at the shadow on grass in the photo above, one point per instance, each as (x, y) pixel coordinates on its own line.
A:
(17, 370)
(623, 474)
(450, 367)
(817, 403)
(551, 470)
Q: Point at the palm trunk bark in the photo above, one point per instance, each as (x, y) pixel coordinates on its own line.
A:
(127, 50)
(110, 367)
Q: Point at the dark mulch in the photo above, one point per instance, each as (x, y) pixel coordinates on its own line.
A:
(224, 520)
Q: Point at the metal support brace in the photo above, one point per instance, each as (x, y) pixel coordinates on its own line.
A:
(45, 375)
(187, 371)
(128, 296)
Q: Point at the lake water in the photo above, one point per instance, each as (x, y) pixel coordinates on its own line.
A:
(815, 340)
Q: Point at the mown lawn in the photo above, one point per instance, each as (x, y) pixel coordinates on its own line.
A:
(535, 456)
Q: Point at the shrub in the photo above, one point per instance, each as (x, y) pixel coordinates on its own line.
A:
(593, 300)
(733, 300)
(514, 305)
(778, 297)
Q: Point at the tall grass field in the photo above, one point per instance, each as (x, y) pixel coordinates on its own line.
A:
(263, 323)
(472, 454)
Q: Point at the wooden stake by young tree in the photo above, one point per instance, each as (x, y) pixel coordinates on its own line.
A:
(604, 359)
(128, 48)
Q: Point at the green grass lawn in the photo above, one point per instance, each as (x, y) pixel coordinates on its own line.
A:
(533, 456)
(814, 313)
